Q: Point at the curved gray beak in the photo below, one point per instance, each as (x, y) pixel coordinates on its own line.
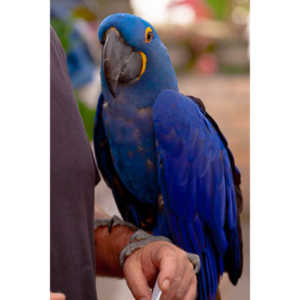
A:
(122, 65)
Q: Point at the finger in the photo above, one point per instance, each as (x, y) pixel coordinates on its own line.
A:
(192, 292)
(57, 296)
(165, 260)
(184, 285)
(136, 279)
(181, 283)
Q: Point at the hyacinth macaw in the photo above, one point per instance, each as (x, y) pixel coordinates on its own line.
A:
(164, 158)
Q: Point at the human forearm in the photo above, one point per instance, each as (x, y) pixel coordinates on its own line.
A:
(108, 246)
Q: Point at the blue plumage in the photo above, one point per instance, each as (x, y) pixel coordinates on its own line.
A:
(163, 156)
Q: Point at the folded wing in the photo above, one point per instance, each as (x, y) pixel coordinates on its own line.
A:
(196, 180)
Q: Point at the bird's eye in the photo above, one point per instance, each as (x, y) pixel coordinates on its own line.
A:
(148, 35)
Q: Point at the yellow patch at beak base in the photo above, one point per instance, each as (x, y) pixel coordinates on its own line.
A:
(144, 63)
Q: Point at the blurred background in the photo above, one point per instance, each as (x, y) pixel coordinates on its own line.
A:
(208, 44)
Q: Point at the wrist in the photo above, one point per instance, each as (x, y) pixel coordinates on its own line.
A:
(109, 243)
(138, 240)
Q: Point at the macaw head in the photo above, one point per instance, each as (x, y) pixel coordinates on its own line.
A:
(133, 57)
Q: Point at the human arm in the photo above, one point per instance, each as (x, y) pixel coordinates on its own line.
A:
(158, 259)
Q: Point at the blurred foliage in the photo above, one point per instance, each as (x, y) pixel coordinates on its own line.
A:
(221, 8)
(103, 8)
(63, 30)
(82, 12)
(88, 117)
(234, 69)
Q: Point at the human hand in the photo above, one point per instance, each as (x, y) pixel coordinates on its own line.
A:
(166, 262)
(57, 296)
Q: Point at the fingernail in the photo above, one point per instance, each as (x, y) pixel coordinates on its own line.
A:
(166, 284)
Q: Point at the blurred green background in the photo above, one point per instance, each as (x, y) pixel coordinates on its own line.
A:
(208, 44)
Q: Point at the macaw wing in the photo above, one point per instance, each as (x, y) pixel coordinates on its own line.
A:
(196, 180)
(130, 208)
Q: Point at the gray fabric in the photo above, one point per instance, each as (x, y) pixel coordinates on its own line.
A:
(73, 176)
(140, 238)
(195, 260)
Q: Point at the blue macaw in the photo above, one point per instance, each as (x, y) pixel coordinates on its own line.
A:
(165, 159)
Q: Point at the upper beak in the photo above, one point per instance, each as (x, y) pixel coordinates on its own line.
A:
(120, 62)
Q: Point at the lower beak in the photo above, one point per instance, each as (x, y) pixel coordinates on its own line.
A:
(122, 65)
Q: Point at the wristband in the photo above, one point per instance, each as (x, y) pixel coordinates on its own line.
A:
(140, 239)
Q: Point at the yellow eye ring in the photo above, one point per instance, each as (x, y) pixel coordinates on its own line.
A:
(148, 35)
